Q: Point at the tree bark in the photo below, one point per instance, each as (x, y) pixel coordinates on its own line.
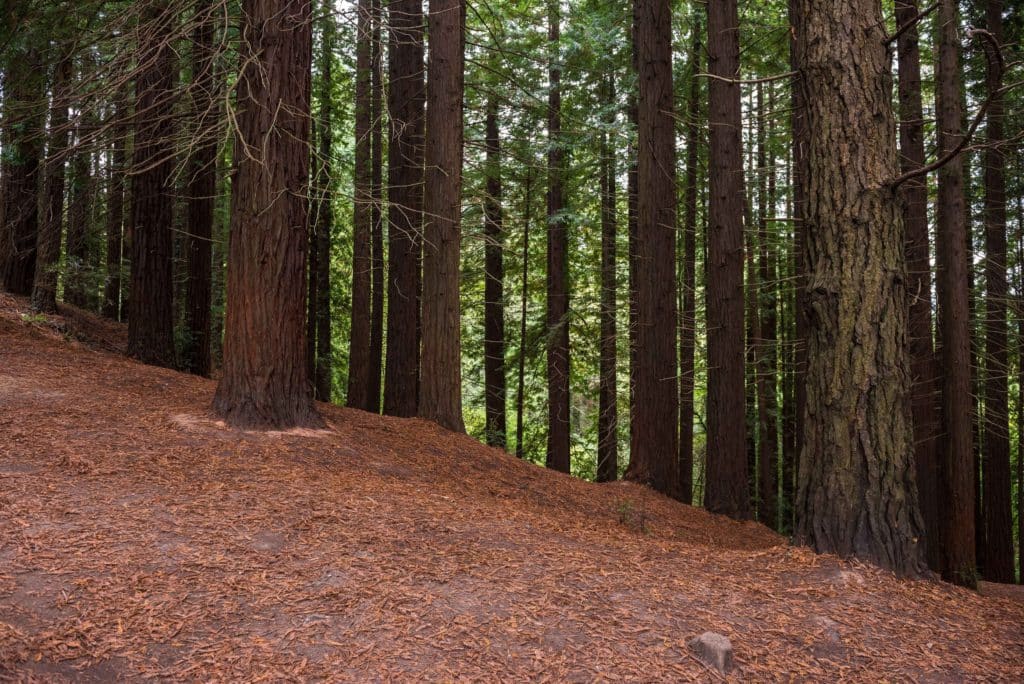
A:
(441, 365)
(607, 409)
(558, 259)
(521, 385)
(115, 216)
(150, 306)
(998, 516)
(688, 315)
(726, 488)
(494, 285)
(919, 283)
(265, 381)
(767, 371)
(857, 495)
(405, 206)
(376, 214)
(44, 288)
(957, 473)
(323, 368)
(359, 365)
(202, 195)
(80, 199)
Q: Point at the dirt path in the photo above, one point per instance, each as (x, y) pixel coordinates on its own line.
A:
(140, 538)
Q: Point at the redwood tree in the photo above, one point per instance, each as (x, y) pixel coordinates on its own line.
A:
(265, 381)
(726, 489)
(608, 410)
(441, 363)
(150, 310)
(405, 206)
(653, 437)
(558, 259)
(857, 494)
(494, 285)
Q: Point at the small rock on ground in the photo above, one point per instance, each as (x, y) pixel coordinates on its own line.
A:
(714, 650)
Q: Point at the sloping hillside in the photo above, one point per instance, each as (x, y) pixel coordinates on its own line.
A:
(140, 537)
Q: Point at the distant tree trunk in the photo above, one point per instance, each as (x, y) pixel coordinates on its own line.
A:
(150, 306)
(857, 494)
(521, 386)
(607, 410)
(202, 195)
(767, 370)
(44, 288)
(997, 505)
(441, 369)
(688, 315)
(313, 254)
(919, 282)
(265, 381)
(726, 489)
(799, 132)
(76, 273)
(654, 443)
(558, 259)
(323, 368)
(376, 214)
(19, 176)
(957, 474)
(115, 216)
(632, 193)
(405, 205)
(494, 285)
(362, 221)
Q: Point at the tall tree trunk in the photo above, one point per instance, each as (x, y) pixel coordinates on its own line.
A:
(441, 372)
(957, 473)
(377, 286)
(359, 365)
(323, 368)
(405, 206)
(607, 403)
(919, 283)
(997, 505)
(44, 288)
(521, 385)
(202, 194)
(726, 489)
(150, 306)
(558, 259)
(115, 215)
(798, 123)
(23, 152)
(632, 193)
(688, 315)
(767, 371)
(494, 285)
(857, 494)
(265, 381)
(76, 272)
(654, 442)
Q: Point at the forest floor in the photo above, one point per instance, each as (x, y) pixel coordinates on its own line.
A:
(141, 538)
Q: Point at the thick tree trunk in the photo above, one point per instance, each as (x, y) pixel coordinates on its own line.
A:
(726, 489)
(323, 368)
(265, 381)
(857, 495)
(44, 288)
(924, 404)
(654, 442)
(957, 474)
(377, 286)
(362, 228)
(441, 374)
(150, 306)
(80, 195)
(22, 154)
(558, 259)
(202, 195)
(405, 206)
(997, 503)
(607, 402)
(688, 314)
(494, 285)
(115, 216)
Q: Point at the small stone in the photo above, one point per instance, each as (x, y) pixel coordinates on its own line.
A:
(713, 650)
(828, 627)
